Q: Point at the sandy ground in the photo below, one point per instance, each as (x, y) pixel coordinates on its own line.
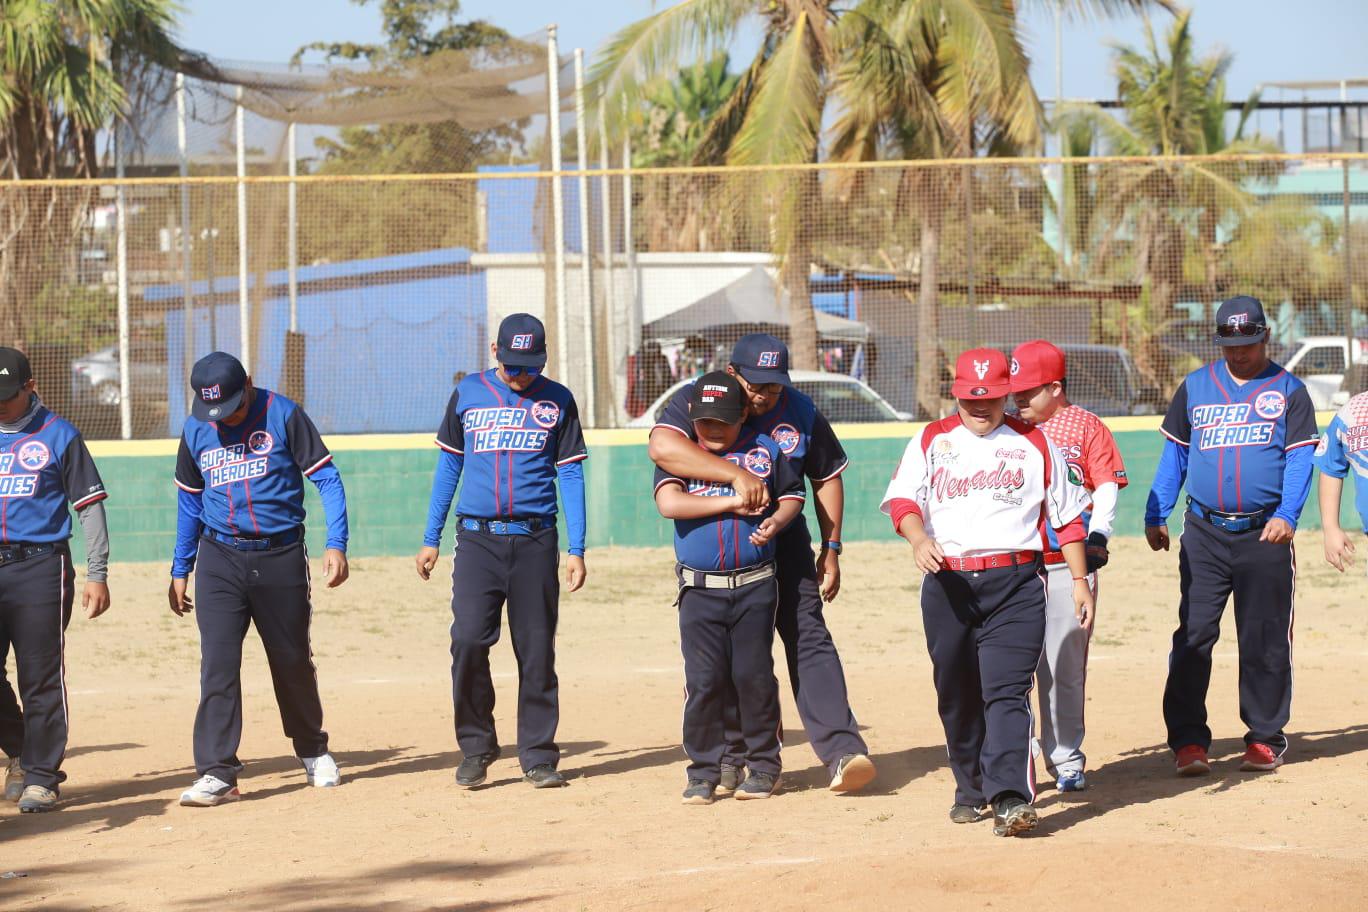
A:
(399, 835)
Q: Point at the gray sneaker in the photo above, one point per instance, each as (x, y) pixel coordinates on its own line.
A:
(1013, 816)
(544, 776)
(967, 813)
(37, 800)
(732, 777)
(14, 780)
(700, 791)
(474, 769)
(757, 785)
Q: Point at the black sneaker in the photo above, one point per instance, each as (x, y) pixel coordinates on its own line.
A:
(1012, 816)
(732, 777)
(967, 813)
(544, 776)
(757, 785)
(853, 772)
(700, 791)
(474, 768)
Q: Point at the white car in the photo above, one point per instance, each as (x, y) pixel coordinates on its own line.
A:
(840, 397)
(1321, 363)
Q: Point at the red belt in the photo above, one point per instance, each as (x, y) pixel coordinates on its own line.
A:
(992, 561)
(1054, 557)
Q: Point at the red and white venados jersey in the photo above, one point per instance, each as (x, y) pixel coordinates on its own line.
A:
(984, 495)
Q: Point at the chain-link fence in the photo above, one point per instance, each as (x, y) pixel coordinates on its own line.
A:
(381, 290)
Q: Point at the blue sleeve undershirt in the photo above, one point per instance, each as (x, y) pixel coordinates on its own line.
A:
(570, 478)
(1296, 484)
(189, 525)
(444, 482)
(329, 483)
(1168, 481)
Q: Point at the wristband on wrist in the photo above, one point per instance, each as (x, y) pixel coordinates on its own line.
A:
(1080, 579)
(834, 546)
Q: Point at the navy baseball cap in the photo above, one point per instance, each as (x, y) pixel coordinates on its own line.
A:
(717, 396)
(522, 341)
(218, 380)
(14, 372)
(1240, 321)
(761, 359)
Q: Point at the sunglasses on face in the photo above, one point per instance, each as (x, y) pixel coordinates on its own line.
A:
(1227, 331)
(519, 371)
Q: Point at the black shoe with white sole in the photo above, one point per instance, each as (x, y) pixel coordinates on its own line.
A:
(474, 769)
(1012, 816)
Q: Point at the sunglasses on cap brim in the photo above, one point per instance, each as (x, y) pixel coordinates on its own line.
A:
(1227, 331)
(514, 371)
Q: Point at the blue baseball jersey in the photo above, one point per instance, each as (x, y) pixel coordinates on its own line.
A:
(1238, 436)
(250, 478)
(1344, 446)
(722, 542)
(511, 444)
(43, 467)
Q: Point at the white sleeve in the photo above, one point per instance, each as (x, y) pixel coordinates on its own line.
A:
(1104, 501)
(1064, 500)
(909, 481)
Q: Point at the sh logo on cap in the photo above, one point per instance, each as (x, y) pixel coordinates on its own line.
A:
(522, 342)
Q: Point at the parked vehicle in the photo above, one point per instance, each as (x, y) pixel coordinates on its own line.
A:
(1104, 380)
(840, 397)
(1321, 363)
(95, 376)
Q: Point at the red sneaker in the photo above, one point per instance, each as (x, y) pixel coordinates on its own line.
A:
(1260, 758)
(1192, 761)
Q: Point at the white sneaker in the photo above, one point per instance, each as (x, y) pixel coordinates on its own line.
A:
(209, 791)
(321, 771)
(14, 780)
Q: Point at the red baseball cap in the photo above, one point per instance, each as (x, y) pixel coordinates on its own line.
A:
(1034, 364)
(981, 373)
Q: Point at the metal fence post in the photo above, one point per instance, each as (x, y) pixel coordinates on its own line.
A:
(293, 240)
(187, 278)
(553, 131)
(633, 320)
(121, 265)
(244, 306)
(617, 372)
(586, 247)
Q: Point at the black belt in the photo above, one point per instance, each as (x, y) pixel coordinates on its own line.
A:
(525, 525)
(1230, 522)
(725, 579)
(17, 551)
(256, 542)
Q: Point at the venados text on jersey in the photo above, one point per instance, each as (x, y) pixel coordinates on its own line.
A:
(947, 485)
(1258, 433)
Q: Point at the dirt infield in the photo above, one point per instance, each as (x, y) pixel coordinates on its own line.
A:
(399, 835)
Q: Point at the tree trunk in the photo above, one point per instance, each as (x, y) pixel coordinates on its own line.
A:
(797, 259)
(928, 314)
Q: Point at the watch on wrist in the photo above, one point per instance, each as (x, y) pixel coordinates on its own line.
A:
(833, 546)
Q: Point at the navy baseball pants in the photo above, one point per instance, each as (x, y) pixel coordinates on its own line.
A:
(268, 588)
(814, 667)
(487, 571)
(36, 596)
(985, 631)
(1213, 564)
(727, 637)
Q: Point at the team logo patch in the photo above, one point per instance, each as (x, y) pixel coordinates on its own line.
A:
(522, 342)
(211, 393)
(1016, 367)
(1270, 404)
(546, 413)
(787, 436)
(260, 442)
(768, 359)
(1238, 319)
(1324, 445)
(1075, 473)
(758, 462)
(979, 391)
(34, 455)
(981, 368)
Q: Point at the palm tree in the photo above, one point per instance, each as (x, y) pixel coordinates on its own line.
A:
(64, 72)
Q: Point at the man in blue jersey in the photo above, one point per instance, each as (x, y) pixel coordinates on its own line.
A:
(510, 436)
(760, 364)
(1342, 447)
(244, 455)
(727, 592)
(44, 466)
(1239, 432)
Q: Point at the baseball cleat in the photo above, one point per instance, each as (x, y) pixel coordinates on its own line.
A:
(544, 776)
(474, 768)
(37, 800)
(757, 785)
(1012, 816)
(1192, 761)
(1073, 781)
(14, 780)
(967, 813)
(1260, 758)
(321, 771)
(209, 791)
(853, 772)
(700, 791)
(732, 777)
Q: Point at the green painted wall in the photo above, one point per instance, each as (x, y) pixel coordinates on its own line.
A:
(387, 493)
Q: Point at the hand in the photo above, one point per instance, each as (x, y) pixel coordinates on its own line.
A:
(754, 493)
(1158, 537)
(829, 572)
(335, 569)
(1339, 550)
(763, 532)
(1085, 605)
(95, 599)
(928, 554)
(1278, 532)
(1096, 550)
(575, 572)
(425, 561)
(179, 599)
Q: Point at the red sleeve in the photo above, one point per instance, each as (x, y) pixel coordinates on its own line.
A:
(900, 508)
(1103, 458)
(1075, 531)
